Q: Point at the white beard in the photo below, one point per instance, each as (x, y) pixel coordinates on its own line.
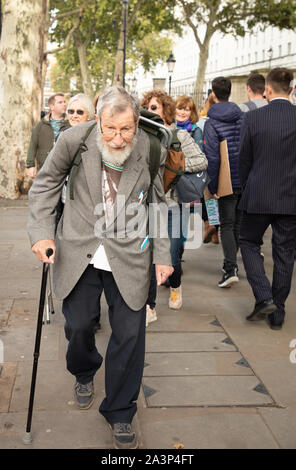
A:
(116, 157)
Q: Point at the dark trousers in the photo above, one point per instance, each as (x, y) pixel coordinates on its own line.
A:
(253, 227)
(230, 218)
(124, 360)
(151, 301)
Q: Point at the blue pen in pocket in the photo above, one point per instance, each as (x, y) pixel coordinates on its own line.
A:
(141, 195)
(145, 243)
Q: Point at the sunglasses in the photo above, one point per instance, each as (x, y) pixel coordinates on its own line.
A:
(154, 107)
(80, 112)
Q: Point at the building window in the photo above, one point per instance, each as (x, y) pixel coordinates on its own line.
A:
(263, 54)
(280, 51)
(249, 58)
(236, 61)
(256, 56)
(289, 48)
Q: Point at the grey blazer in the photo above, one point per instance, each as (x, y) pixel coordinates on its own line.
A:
(81, 231)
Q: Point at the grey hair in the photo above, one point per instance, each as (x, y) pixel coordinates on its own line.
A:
(118, 99)
(86, 103)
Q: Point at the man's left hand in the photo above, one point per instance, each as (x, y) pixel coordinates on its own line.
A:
(162, 272)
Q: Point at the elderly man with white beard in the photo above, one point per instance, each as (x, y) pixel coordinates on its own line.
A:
(89, 257)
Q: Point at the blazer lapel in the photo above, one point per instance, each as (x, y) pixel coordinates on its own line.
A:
(91, 159)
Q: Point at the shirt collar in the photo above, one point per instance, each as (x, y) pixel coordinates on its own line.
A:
(280, 98)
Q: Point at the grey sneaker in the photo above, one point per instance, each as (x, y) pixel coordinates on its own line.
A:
(84, 394)
(123, 436)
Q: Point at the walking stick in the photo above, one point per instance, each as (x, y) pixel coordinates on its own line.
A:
(27, 439)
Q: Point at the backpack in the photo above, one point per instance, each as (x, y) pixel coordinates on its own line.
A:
(153, 125)
(251, 105)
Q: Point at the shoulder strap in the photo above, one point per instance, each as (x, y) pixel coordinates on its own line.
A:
(77, 160)
(175, 144)
(154, 162)
(251, 105)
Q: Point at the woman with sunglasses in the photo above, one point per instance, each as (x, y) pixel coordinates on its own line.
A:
(80, 109)
(159, 102)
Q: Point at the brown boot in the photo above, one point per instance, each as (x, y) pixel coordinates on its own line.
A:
(209, 230)
(215, 237)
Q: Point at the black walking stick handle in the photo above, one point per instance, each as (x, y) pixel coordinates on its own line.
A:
(28, 437)
(49, 252)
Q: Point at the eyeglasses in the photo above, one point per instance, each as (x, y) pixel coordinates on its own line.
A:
(80, 112)
(153, 107)
(125, 133)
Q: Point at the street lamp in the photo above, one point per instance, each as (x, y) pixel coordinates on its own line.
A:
(270, 52)
(134, 83)
(171, 64)
(125, 6)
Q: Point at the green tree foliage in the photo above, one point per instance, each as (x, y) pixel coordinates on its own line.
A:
(280, 13)
(91, 31)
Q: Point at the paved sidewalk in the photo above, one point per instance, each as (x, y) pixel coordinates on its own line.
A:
(211, 380)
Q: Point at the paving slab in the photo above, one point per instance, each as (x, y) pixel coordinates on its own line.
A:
(189, 321)
(195, 363)
(205, 391)
(205, 429)
(78, 429)
(282, 424)
(179, 341)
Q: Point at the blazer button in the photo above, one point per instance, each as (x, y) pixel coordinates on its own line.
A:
(89, 255)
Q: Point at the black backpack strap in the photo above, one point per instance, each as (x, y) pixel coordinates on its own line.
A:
(175, 144)
(251, 105)
(154, 162)
(77, 160)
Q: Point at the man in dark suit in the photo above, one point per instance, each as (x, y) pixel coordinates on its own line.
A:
(268, 176)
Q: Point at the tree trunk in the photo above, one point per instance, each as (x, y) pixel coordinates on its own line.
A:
(200, 76)
(22, 46)
(84, 69)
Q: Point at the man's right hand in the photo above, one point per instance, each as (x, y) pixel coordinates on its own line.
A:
(40, 248)
(31, 172)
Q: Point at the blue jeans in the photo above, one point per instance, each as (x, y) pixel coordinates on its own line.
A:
(177, 230)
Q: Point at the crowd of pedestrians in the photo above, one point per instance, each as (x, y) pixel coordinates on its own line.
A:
(114, 173)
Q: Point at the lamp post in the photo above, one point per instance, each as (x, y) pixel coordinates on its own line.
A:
(171, 64)
(134, 83)
(125, 6)
(270, 52)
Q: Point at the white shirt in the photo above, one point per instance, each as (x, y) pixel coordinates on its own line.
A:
(100, 259)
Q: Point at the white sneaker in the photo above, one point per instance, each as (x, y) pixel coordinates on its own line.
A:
(175, 300)
(150, 315)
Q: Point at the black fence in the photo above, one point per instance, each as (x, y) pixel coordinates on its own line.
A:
(188, 90)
